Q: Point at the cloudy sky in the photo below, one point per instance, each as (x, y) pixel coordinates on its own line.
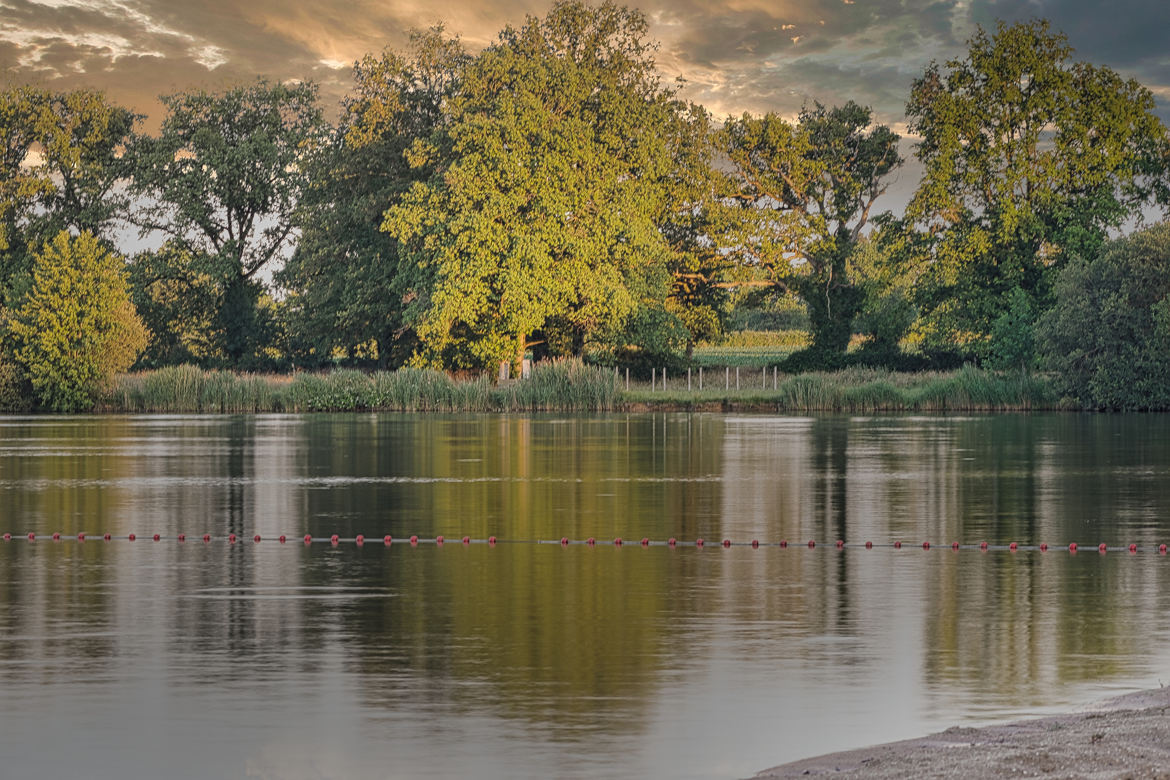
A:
(736, 56)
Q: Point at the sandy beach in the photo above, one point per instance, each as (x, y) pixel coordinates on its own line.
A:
(1124, 737)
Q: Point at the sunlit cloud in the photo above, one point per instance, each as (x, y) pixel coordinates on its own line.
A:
(733, 55)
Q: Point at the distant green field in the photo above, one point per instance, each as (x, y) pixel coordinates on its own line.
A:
(751, 348)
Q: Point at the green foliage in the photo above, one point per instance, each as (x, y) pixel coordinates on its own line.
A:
(888, 311)
(557, 160)
(1029, 159)
(77, 326)
(345, 282)
(177, 302)
(807, 189)
(1013, 340)
(15, 389)
(1107, 336)
(770, 310)
(222, 180)
(70, 183)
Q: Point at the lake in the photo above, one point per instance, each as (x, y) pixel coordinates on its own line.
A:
(527, 659)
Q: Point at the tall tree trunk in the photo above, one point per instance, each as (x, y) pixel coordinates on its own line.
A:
(832, 303)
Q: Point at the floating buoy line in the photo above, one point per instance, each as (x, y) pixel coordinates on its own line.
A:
(564, 541)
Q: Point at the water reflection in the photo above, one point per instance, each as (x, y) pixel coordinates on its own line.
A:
(532, 660)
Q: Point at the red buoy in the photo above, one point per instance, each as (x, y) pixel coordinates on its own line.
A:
(699, 542)
(256, 539)
(672, 541)
(232, 538)
(106, 537)
(926, 545)
(1162, 549)
(156, 537)
(206, 538)
(564, 541)
(755, 542)
(491, 541)
(1013, 546)
(645, 541)
(590, 541)
(897, 545)
(783, 543)
(840, 543)
(414, 540)
(869, 545)
(131, 537)
(1043, 547)
(56, 537)
(81, 536)
(983, 545)
(334, 539)
(954, 545)
(359, 539)
(1133, 548)
(281, 539)
(182, 537)
(726, 542)
(439, 540)
(8, 537)
(1072, 547)
(1101, 547)
(466, 539)
(387, 539)
(811, 544)
(617, 542)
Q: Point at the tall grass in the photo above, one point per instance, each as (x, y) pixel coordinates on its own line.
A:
(567, 385)
(864, 390)
(189, 389)
(570, 386)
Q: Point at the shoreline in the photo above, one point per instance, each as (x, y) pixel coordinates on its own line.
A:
(1127, 736)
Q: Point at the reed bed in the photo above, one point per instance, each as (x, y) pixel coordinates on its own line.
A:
(865, 390)
(567, 385)
(570, 386)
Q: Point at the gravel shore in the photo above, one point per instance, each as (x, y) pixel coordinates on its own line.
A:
(1124, 737)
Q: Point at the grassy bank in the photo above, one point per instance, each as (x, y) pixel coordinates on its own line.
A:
(572, 386)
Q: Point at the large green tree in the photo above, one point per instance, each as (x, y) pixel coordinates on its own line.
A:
(177, 299)
(222, 180)
(546, 211)
(1107, 335)
(1030, 158)
(344, 280)
(77, 327)
(62, 160)
(807, 189)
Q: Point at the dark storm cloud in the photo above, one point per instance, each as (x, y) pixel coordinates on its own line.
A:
(1127, 35)
(736, 55)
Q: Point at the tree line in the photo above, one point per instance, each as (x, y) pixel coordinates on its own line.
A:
(552, 195)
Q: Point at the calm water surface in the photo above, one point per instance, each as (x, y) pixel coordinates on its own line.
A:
(127, 660)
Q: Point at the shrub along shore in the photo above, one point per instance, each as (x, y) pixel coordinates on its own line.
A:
(571, 386)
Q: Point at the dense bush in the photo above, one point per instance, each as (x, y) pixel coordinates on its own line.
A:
(15, 390)
(1108, 334)
(76, 328)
